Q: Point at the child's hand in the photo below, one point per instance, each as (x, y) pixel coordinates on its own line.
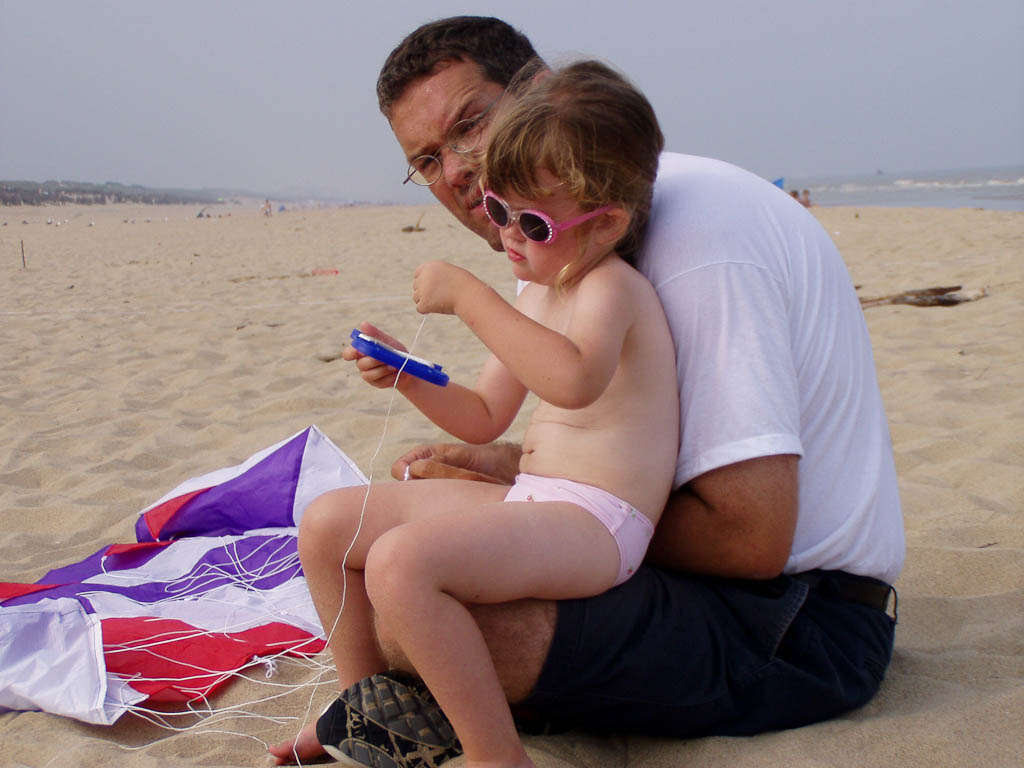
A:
(437, 285)
(374, 372)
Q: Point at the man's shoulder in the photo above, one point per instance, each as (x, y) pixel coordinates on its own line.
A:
(698, 178)
(703, 210)
(710, 211)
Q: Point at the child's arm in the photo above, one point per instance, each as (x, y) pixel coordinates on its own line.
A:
(477, 415)
(568, 370)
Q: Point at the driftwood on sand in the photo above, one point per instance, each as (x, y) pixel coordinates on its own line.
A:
(414, 227)
(942, 296)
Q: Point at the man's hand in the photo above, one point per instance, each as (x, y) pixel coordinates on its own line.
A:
(493, 463)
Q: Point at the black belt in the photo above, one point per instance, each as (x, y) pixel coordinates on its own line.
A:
(848, 586)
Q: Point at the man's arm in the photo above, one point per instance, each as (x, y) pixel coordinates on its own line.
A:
(736, 521)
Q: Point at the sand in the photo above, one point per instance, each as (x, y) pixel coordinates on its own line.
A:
(142, 346)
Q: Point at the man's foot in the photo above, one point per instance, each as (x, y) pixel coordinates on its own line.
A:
(382, 722)
(303, 747)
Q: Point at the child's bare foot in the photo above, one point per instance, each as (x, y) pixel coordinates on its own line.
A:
(304, 746)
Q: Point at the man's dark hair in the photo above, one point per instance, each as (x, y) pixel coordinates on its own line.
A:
(497, 48)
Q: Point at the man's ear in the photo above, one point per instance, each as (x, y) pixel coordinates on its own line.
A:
(611, 225)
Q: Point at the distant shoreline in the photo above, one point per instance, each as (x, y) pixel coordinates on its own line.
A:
(993, 188)
(86, 193)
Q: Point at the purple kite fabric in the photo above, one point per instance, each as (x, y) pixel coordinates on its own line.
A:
(212, 585)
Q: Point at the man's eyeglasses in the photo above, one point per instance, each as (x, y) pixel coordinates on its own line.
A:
(535, 225)
(463, 138)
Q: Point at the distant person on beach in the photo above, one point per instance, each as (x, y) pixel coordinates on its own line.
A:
(746, 616)
(266, 208)
(795, 195)
(569, 174)
(805, 198)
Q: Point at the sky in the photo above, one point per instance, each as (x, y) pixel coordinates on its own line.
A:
(278, 97)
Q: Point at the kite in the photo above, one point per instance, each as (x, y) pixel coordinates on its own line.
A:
(212, 585)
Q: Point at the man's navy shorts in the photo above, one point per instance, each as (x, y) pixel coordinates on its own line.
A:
(677, 655)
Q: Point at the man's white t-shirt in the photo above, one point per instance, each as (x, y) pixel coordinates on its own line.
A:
(774, 357)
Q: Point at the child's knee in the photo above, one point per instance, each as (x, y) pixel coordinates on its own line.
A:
(395, 567)
(323, 519)
(314, 517)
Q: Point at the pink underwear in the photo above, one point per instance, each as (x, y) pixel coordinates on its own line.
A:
(631, 529)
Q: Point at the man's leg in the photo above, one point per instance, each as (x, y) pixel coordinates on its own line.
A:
(674, 655)
(678, 656)
(518, 635)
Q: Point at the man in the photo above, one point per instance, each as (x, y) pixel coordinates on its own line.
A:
(764, 601)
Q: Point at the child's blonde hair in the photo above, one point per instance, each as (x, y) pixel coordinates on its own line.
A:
(589, 127)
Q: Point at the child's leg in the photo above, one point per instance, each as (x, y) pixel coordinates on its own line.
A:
(420, 575)
(328, 531)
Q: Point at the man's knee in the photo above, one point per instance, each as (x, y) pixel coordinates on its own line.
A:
(518, 635)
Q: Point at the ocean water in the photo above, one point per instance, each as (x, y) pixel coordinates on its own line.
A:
(1000, 189)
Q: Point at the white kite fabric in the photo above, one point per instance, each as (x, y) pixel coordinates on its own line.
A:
(212, 586)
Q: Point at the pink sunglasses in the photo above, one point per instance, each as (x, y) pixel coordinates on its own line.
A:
(535, 225)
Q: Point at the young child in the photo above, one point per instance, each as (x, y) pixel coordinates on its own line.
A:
(569, 172)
